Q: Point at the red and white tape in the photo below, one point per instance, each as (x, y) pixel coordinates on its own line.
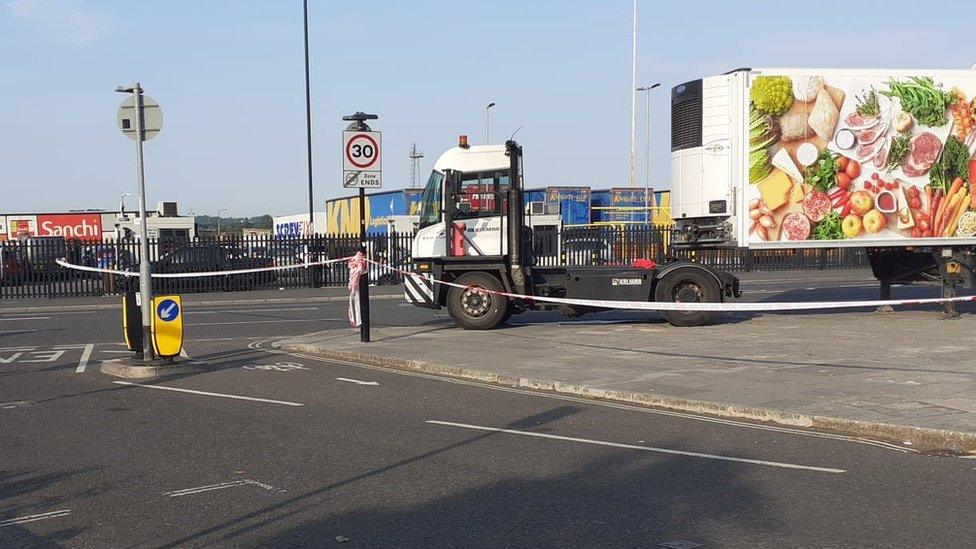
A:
(691, 307)
(132, 274)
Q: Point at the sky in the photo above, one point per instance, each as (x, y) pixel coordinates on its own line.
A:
(229, 77)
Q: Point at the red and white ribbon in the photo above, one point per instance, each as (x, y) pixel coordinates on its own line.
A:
(357, 266)
(708, 307)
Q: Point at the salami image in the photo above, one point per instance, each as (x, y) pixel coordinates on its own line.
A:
(842, 157)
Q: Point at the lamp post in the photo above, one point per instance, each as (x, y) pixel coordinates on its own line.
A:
(633, 104)
(488, 123)
(218, 220)
(122, 203)
(647, 148)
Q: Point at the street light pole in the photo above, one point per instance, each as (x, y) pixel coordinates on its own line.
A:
(308, 123)
(488, 123)
(647, 150)
(633, 105)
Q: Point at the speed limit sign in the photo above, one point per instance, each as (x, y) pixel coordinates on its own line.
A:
(362, 159)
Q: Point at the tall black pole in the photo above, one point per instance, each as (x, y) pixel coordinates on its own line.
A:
(364, 279)
(308, 140)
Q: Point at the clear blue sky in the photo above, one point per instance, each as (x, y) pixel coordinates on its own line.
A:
(228, 74)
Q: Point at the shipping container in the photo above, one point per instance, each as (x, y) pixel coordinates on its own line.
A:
(573, 204)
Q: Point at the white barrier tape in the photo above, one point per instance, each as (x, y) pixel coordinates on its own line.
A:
(707, 307)
(84, 268)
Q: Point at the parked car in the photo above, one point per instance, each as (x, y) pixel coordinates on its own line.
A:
(40, 257)
(11, 268)
(211, 258)
(587, 251)
(106, 256)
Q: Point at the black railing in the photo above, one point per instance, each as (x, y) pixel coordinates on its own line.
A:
(28, 268)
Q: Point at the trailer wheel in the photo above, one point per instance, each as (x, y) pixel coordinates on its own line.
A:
(687, 286)
(473, 308)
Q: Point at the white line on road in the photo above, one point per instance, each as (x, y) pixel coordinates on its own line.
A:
(33, 518)
(207, 393)
(644, 448)
(24, 318)
(275, 321)
(85, 356)
(358, 382)
(229, 311)
(220, 486)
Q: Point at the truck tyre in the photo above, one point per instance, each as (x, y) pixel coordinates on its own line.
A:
(477, 310)
(688, 286)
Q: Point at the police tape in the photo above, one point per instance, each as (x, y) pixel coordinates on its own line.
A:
(132, 274)
(690, 307)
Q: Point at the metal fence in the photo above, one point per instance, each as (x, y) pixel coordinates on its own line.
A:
(28, 268)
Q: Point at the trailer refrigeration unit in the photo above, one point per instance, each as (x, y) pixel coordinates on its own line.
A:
(480, 240)
(816, 158)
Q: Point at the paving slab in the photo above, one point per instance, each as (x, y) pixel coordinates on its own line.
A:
(906, 377)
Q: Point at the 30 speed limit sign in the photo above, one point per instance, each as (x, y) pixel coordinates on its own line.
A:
(362, 160)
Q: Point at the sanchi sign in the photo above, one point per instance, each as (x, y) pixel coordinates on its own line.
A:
(71, 227)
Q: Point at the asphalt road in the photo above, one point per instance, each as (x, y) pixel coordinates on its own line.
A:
(266, 449)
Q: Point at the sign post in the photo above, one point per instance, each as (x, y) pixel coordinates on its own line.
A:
(362, 168)
(140, 119)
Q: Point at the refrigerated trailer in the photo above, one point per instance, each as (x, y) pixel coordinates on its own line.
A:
(473, 233)
(787, 158)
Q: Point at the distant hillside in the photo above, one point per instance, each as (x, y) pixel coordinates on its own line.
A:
(229, 224)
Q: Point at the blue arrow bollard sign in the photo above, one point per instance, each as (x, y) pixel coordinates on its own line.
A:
(168, 310)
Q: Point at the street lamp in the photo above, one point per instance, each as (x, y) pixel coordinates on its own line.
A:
(488, 123)
(647, 148)
(633, 103)
(122, 203)
(308, 123)
(218, 220)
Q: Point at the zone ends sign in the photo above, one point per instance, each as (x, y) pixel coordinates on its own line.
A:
(362, 164)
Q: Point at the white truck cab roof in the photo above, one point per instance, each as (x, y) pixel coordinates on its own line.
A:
(476, 158)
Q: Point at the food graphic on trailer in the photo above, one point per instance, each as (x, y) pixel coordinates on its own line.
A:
(861, 157)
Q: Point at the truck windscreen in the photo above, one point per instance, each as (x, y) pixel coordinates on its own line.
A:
(430, 203)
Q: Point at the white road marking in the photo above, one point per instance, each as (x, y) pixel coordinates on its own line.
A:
(18, 331)
(229, 311)
(85, 356)
(207, 393)
(183, 352)
(275, 321)
(24, 318)
(644, 448)
(220, 486)
(126, 351)
(33, 518)
(357, 382)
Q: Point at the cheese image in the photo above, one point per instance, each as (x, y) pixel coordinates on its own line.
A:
(775, 189)
(797, 193)
(905, 218)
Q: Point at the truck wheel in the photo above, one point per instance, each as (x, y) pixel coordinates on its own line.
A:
(474, 309)
(687, 286)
